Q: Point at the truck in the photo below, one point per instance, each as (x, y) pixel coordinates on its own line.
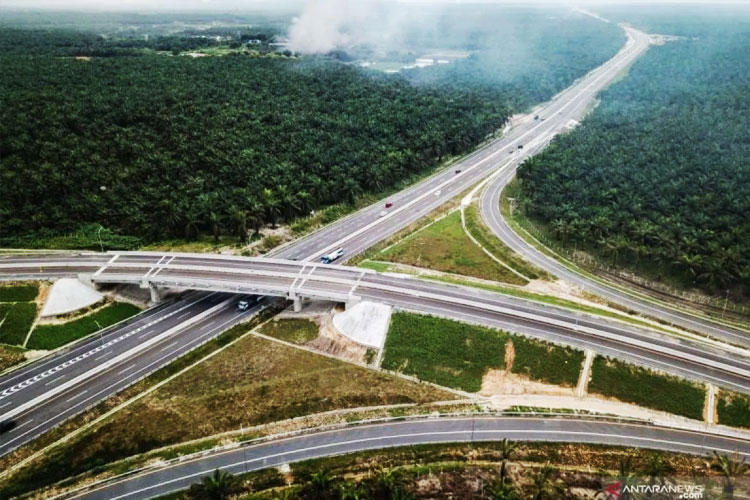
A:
(330, 257)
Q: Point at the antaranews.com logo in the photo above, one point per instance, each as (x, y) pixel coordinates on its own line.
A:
(617, 490)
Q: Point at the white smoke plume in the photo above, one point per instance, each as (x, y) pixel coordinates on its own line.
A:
(325, 25)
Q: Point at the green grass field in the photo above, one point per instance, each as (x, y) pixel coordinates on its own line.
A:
(296, 331)
(547, 362)
(252, 382)
(733, 409)
(54, 336)
(16, 319)
(443, 351)
(494, 245)
(644, 387)
(18, 293)
(444, 246)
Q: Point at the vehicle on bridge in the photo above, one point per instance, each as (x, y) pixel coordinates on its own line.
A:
(330, 257)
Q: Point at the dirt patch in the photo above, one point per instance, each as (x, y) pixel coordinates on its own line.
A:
(510, 355)
(503, 382)
(330, 341)
(558, 288)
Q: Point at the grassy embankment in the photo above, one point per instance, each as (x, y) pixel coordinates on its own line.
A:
(54, 336)
(646, 388)
(458, 355)
(444, 246)
(17, 313)
(296, 331)
(252, 382)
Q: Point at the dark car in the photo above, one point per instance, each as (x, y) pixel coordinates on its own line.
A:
(7, 426)
(458, 171)
(520, 146)
(388, 205)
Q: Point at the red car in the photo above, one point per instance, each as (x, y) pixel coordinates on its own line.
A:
(388, 205)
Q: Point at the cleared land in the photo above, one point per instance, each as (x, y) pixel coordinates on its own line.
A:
(296, 331)
(646, 388)
(252, 382)
(53, 336)
(444, 246)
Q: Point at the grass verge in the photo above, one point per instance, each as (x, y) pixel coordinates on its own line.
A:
(496, 247)
(10, 356)
(733, 409)
(16, 319)
(444, 246)
(644, 387)
(443, 351)
(546, 362)
(296, 331)
(53, 336)
(254, 381)
(18, 293)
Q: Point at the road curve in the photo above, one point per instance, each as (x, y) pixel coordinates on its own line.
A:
(493, 217)
(412, 432)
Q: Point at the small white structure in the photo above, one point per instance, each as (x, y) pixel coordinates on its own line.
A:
(365, 323)
(68, 295)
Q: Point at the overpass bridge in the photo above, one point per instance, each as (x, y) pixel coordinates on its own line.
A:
(693, 358)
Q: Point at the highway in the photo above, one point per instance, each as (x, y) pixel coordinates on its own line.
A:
(274, 453)
(44, 394)
(691, 358)
(292, 268)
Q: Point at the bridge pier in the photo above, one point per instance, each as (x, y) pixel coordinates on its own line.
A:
(297, 304)
(155, 295)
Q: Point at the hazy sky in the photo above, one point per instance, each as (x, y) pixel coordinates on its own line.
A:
(234, 5)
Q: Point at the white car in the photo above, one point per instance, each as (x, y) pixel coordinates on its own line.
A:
(438, 192)
(383, 213)
(243, 305)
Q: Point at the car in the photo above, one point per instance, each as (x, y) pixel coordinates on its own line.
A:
(536, 117)
(520, 146)
(328, 258)
(438, 192)
(388, 205)
(7, 426)
(458, 171)
(383, 213)
(243, 305)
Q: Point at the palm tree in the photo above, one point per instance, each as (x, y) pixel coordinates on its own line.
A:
(507, 449)
(657, 468)
(218, 486)
(239, 222)
(349, 491)
(543, 481)
(731, 469)
(321, 486)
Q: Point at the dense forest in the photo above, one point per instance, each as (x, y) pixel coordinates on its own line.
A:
(658, 176)
(161, 146)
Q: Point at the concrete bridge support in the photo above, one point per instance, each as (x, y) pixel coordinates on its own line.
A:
(155, 295)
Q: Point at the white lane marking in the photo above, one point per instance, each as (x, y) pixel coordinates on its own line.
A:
(146, 334)
(24, 424)
(102, 356)
(126, 369)
(77, 395)
(471, 168)
(112, 362)
(169, 346)
(605, 436)
(66, 364)
(101, 269)
(4, 405)
(53, 381)
(183, 315)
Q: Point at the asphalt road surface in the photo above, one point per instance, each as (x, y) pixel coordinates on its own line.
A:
(443, 430)
(44, 394)
(692, 358)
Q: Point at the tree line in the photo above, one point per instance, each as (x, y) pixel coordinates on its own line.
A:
(658, 177)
